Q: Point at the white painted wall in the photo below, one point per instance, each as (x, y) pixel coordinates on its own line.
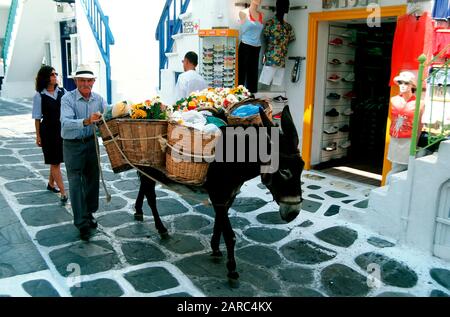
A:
(135, 55)
(4, 11)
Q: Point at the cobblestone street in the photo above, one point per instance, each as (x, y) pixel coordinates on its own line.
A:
(317, 254)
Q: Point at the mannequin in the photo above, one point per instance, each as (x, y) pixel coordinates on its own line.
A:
(278, 34)
(402, 118)
(250, 46)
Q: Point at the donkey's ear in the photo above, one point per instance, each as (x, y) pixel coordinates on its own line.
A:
(265, 120)
(288, 126)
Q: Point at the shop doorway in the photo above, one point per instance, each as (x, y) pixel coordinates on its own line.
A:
(357, 103)
(355, 84)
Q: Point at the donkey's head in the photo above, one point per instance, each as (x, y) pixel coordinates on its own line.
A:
(284, 183)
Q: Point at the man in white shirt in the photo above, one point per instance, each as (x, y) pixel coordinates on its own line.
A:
(190, 80)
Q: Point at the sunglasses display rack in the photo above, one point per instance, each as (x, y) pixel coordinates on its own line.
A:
(218, 53)
(338, 93)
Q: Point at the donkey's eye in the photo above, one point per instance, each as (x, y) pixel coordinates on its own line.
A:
(286, 174)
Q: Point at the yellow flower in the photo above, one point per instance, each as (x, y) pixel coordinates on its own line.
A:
(139, 114)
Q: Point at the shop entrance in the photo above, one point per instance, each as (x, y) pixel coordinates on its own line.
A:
(347, 94)
(356, 102)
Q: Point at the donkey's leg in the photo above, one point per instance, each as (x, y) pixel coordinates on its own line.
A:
(139, 214)
(151, 200)
(217, 233)
(230, 242)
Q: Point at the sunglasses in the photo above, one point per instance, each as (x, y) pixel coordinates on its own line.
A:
(401, 82)
(54, 74)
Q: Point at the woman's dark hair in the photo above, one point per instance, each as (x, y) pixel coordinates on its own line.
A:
(43, 78)
(282, 7)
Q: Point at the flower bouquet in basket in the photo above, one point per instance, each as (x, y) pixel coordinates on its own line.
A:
(143, 136)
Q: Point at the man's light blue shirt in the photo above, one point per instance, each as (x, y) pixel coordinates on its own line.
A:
(74, 109)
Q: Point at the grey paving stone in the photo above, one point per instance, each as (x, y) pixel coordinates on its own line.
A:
(141, 252)
(348, 201)
(151, 279)
(115, 219)
(304, 292)
(127, 185)
(92, 257)
(205, 210)
(335, 194)
(306, 224)
(37, 198)
(380, 243)
(170, 207)
(221, 288)
(262, 186)
(442, 276)
(8, 160)
(133, 194)
(245, 204)
(116, 203)
(392, 272)
(362, 204)
(30, 151)
(270, 218)
(177, 295)
(97, 288)
(7, 270)
(191, 223)
(314, 187)
(181, 244)
(26, 186)
(332, 210)
(137, 230)
(310, 206)
(21, 258)
(58, 235)
(239, 222)
(339, 236)
(34, 158)
(45, 215)
(313, 177)
(306, 252)
(314, 196)
(438, 293)
(18, 145)
(260, 278)
(110, 176)
(5, 152)
(394, 294)
(266, 235)
(296, 275)
(340, 280)
(202, 265)
(195, 198)
(259, 255)
(40, 288)
(15, 172)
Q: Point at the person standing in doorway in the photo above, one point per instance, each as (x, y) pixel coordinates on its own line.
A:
(190, 80)
(250, 46)
(80, 110)
(46, 113)
(402, 117)
(2, 72)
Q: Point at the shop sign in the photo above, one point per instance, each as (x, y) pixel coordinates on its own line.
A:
(191, 27)
(342, 4)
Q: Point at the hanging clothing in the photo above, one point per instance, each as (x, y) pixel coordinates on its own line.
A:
(248, 64)
(440, 41)
(251, 30)
(272, 75)
(441, 10)
(402, 116)
(413, 37)
(278, 35)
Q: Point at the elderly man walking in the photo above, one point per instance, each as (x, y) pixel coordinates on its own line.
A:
(80, 110)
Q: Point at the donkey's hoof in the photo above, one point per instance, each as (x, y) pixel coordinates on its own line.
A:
(139, 216)
(164, 234)
(217, 254)
(233, 279)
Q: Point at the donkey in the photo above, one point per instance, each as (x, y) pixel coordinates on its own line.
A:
(224, 180)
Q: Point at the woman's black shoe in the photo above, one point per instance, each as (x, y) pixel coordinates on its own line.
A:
(52, 189)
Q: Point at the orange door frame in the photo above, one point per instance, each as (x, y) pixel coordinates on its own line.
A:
(313, 27)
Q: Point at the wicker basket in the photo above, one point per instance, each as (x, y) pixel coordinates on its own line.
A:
(113, 127)
(250, 120)
(141, 141)
(187, 153)
(118, 163)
